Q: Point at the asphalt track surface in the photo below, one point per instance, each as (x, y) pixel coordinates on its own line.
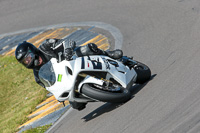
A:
(164, 34)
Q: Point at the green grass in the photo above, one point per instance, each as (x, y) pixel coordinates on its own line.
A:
(19, 94)
(41, 129)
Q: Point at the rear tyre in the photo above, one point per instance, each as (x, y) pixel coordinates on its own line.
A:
(143, 73)
(106, 96)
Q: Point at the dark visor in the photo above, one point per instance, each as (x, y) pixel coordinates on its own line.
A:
(28, 59)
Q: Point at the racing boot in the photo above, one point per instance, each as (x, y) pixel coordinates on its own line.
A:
(115, 54)
(92, 49)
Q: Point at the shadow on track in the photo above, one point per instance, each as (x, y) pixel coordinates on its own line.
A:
(136, 88)
(107, 107)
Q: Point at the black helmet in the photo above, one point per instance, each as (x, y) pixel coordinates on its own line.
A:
(25, 53)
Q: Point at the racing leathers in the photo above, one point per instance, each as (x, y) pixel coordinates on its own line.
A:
(62, 49)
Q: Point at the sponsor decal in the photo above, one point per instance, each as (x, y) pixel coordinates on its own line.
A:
(95, 63)
(59, 77)
(106, 63)
(83, 63)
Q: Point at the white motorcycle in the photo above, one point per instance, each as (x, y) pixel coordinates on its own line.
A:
(93, 78)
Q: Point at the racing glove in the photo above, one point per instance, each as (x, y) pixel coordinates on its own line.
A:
(68, 53)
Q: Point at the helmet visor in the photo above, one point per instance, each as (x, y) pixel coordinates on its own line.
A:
(28, 59)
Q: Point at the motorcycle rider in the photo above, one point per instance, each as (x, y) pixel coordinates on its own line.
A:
(33, 58)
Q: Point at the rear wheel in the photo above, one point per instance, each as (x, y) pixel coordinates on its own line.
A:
(143, 73)
(113, 95)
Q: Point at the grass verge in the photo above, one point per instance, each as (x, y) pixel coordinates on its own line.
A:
(41, 129)
(19, 94)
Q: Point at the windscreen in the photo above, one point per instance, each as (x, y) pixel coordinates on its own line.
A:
(47, 75)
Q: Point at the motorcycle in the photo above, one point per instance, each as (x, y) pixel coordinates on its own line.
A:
(93, 78)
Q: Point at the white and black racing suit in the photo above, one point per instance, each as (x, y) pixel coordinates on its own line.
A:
(62, 49)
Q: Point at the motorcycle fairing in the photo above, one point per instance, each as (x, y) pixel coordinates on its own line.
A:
(67, 72)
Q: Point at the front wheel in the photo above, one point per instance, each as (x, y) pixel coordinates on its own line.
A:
(113, 96)
(143, 73)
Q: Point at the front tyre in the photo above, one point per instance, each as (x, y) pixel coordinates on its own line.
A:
(106, 96)
(143, 73)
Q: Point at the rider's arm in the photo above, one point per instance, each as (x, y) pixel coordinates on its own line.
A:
(53, 47)
(49, 47)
